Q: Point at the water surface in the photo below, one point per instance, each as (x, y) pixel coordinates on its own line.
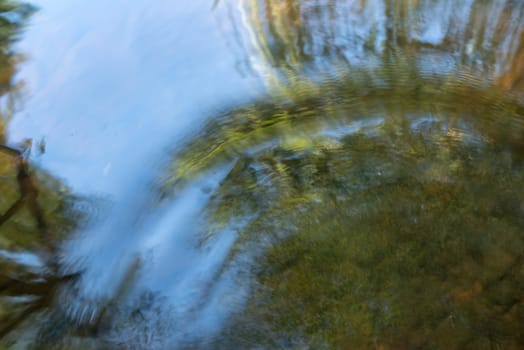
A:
(276, 174)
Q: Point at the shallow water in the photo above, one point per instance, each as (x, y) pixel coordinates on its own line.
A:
(277, 174)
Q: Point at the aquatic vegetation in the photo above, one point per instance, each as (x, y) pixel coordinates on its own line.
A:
(386, 205)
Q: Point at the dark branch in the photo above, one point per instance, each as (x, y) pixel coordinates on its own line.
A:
(10, 151)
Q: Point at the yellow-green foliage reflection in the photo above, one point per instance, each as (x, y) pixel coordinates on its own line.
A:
(389, 206)
(36, 210)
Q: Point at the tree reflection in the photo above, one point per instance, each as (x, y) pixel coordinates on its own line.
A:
(383, 186)
(379, 177)
(37, 227)
(13, 17)
(42, 304)
(36, 212)
(281, 37)
(390, 215)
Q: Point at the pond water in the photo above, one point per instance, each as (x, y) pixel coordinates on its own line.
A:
(263, 174)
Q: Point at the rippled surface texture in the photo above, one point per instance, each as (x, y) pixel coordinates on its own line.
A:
(265, 175)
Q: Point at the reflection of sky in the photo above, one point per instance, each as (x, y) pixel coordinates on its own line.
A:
(110, 82)
(113, 85)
